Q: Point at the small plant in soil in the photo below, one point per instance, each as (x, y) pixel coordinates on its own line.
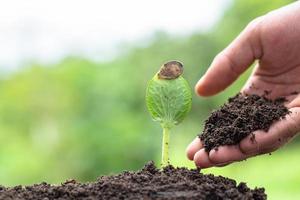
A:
(168, 99)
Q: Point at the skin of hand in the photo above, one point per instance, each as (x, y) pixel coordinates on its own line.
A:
(274, 41)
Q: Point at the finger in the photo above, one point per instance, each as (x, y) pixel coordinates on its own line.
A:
(294, 101)
(226, 154)
(231, 62)
(279, 133)
(193, 147)
(201, 159)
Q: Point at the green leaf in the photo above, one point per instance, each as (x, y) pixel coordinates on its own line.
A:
(168, 101)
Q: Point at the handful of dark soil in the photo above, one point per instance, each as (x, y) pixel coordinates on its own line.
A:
(148, 183)
(239, 117)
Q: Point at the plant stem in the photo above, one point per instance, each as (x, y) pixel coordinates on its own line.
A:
(165, 147)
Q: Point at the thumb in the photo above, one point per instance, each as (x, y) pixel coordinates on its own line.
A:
(232, 61)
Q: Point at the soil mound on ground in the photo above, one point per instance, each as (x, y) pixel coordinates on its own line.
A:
(148, 183)
(239, 117)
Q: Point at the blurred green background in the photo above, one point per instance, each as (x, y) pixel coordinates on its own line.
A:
(81, 119)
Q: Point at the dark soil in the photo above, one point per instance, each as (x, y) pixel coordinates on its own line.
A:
(148, 183)
(239, 117)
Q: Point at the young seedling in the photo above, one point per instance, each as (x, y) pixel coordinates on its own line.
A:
(168, 99)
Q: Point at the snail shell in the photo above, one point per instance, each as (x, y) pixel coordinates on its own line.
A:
(170, 70)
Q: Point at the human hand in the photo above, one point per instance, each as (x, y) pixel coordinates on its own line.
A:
(273, 40)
